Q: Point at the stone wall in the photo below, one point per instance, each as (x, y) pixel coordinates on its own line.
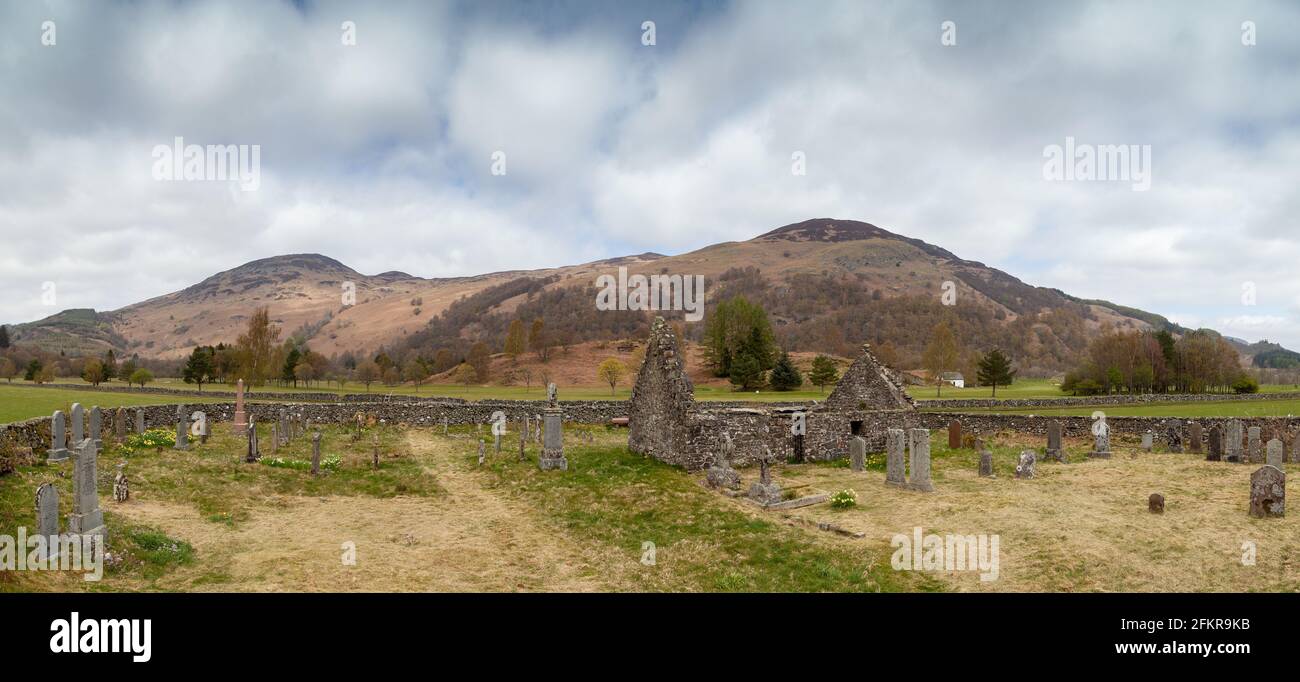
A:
(661, 414)
(1098, 400)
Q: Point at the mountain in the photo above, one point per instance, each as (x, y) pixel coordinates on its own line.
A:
(827, 284)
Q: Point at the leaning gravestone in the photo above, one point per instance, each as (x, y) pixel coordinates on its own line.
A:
(1232, 441)
(986, 459)
(97, 427)
(721, 475)
(858, 453)
(1148, 440)
(919, 450)
(119, 424)
(1254, 445)
(58, 432)
(895, 452)
(182, 430)
(47, 518)
(275, 437)
(86, 518)
(1194, 435)
(1174, 435)
(1274, 457)
(1054, 437)
(1268, 492)
(1025, 468)
(954, 434)
(1214, 451)
(78, 426)
(121, 486)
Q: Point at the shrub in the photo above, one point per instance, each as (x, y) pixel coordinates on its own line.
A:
(1246, 384)
(844, 499)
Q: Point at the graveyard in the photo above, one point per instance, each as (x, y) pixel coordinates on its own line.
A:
(556, 496)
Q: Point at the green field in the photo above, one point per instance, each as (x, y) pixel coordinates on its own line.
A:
(19, 402)
(1227, 408)
(1022, 388)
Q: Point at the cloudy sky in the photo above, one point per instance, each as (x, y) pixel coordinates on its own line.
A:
(380, 153)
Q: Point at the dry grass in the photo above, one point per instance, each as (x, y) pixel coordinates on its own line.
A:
(1083, 526)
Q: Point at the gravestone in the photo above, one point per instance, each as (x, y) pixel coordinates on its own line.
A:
(858, 453)
(1232, 441)
(86, 518)
(1194, 436)
(47, 519)
(251, 431)
(1025, 468)
(284, 428)
(182, 430)
(1156, 503)
(58, 432)
(1295, 450)
(1054, 436)
(121, 486)
(1274, 456)
(315, 454)
(1101, 441)
(480, 452)
(553, 447)
(523, 440)
(1214, 449)
(119, 424)
(497, 438)
(1268, 492)
(1174, 435)
(721, 475)
(139, 420)
(275, 437)
(764, 491)
(986, 459)
(444, 426)
(895, 453)
(537, 429)
(1254, 445)
(954, 434)
(200, 427)
(919, 450)
(241, 417)
(374, 457)
(97, 427)
(1148, 440)
(78, 426)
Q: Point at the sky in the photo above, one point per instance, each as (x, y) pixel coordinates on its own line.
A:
(929, 119)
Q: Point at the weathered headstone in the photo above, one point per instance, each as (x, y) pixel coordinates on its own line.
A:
(1055, 432)
(1025, 468)
(47, 519)
(78, 426)
(919, 451)
(553, 447)
(182, 429)
(1101, 441)
(1295, 449)
(895, 454)
(444, 426)
(121, 486)
(1148, 440)
(1274, 456)
(97, 427)
(1232, 441)
(58, 432)
(721, 475)
(497, 438)
(523, 440)
(315, 454)
(1156, 503)
(858, 453)
(1254, 445)
(139, 420)
(253, 453)
(241, 417)
(374, 457)
(1268, 492)
(986, 459)
(200, 420)
(954, 434)
(86, 518)
(284, 428)
(119, 424)
(1195, 434)
(480, 452)
(1214, 448)
(275, 437)
(1174, 435)
(765, 491)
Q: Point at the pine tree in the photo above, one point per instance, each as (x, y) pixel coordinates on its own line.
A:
(746, 372)
(995, 369)
(199, 368)
(4, 336)
(785, 376)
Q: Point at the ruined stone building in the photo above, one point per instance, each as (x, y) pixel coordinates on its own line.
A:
(666, 423)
